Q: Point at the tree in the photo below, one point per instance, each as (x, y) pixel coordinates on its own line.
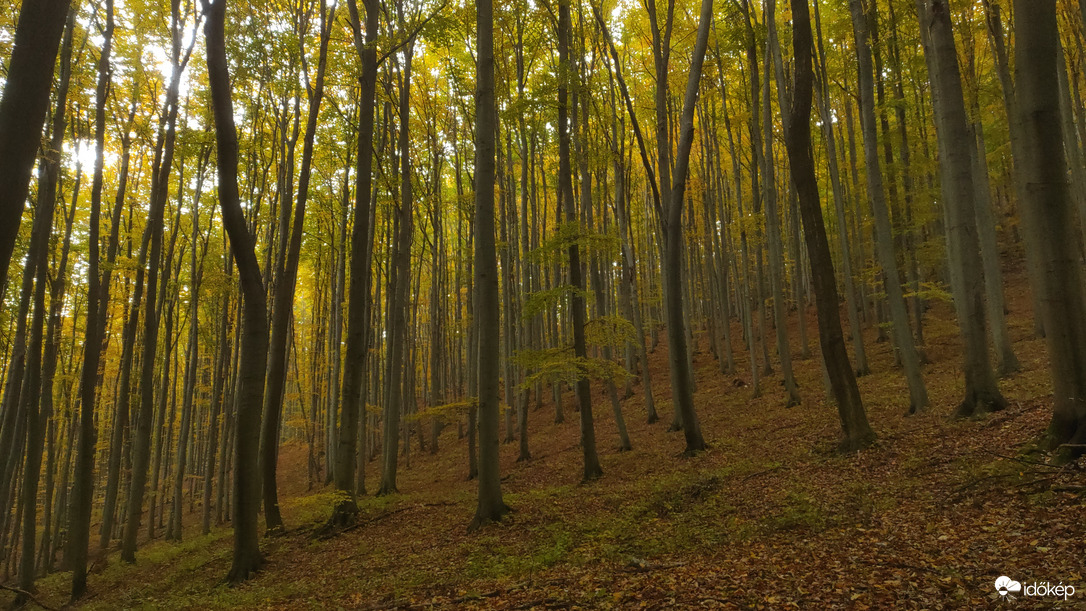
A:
(903, 336)
(83, 489)
(856, 432)
(681, 374)
(959, 195)
(1048, 203)
(491, 507)
(283, 307)
(22, 111)
(254, 326)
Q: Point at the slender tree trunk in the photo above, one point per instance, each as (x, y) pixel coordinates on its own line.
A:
(773, 228)
(247, 557)
(856, 431)
(283, 306)
(910, 358)
(83, 491)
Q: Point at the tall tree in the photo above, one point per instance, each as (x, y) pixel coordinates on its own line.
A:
(283, 306)
(959, 194)
(254, 326)
(23, 108)
(491, 507)
(1048, 203)
(884, 243)
(79, 515)
(856, 431)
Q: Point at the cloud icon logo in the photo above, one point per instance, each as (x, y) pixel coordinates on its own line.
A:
(1005, 585)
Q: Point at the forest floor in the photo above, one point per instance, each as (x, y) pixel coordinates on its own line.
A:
(768, 517)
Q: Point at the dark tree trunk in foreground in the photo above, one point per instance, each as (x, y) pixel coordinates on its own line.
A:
(23, 109)
(1044, 171)
(857, 432)
(491, 508)
(254, 326)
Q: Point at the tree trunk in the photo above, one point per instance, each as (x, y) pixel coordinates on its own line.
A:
(83, 490)
(910, 358)
(23, 109)
(490, 506)
(856, 431)
(956, 144)
(1055, 237)
(254, 328)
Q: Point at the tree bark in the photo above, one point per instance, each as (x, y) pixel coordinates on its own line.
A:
(1055, 237)
(857, 433)
(903, 336)
(23, 109)
(490, 507)
(956, 144)
(247, 557)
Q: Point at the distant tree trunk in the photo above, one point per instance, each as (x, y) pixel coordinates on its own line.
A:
(853, 305)
(120, 419)
(160, 182)
(1055, 237)
(23, 109)
(857, 432)
(952, 127)
(395, 398)
(254, 327)
(352, 401)
(221, 372)
(490, 507)
(910, 358)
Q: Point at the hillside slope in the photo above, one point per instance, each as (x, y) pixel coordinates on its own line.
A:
(768, 517)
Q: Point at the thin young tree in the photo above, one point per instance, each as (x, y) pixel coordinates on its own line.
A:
(79, 514)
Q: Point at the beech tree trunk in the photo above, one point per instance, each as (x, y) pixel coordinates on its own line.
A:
(856, 432)
(959, 195)
(1055, 234)
(903, 336)
(23, 109)
(490, 507)
(253, 351)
